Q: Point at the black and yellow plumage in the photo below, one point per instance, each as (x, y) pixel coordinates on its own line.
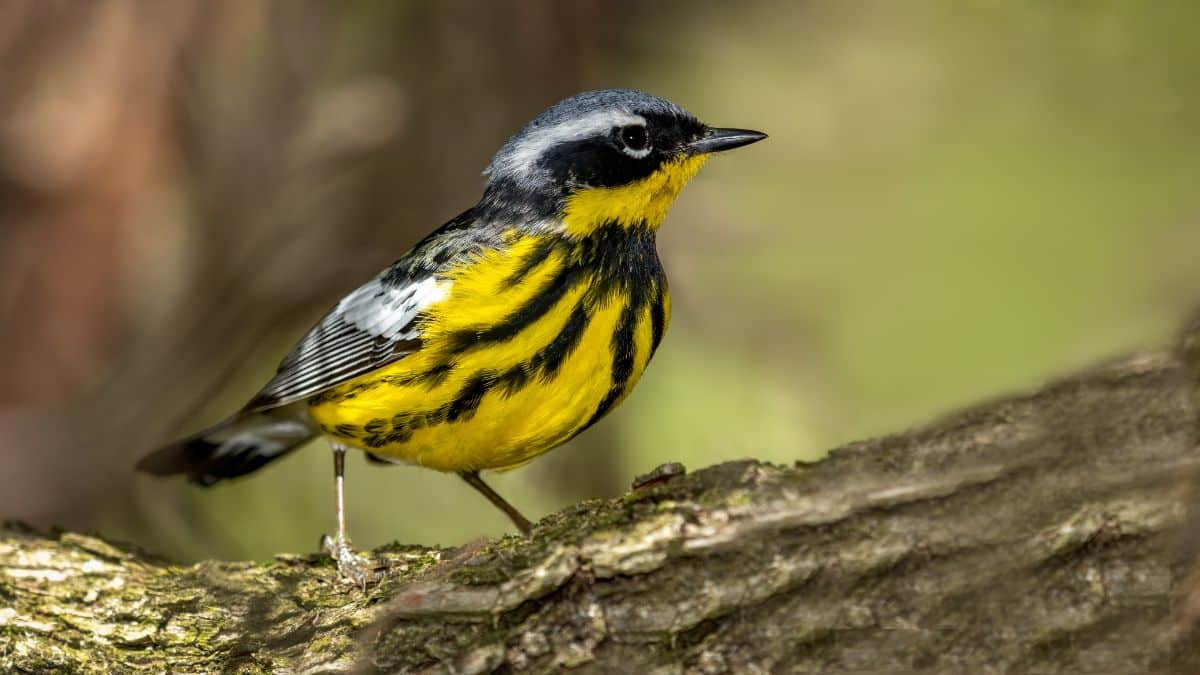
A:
(508, 330)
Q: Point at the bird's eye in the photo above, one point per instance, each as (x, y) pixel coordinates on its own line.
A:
(636, 140)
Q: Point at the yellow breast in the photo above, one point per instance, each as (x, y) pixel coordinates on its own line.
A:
(527, 349)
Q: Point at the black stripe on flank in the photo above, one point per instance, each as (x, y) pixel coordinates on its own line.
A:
(623, 352)
(464, 405)
(547, 361)
(430, 378)
(658, 318)
(433, 377)
(344, 431)
(384, 439)
(536, 257)
(513, 380)
(535, 308)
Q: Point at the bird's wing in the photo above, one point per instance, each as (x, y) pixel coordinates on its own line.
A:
(371, 327)
(376, 324)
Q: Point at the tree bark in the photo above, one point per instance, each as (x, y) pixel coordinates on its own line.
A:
(1053, 532)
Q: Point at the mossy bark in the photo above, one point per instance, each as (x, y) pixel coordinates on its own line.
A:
(1044, 533)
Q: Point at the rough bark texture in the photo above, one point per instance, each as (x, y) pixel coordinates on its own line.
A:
(1044, 533)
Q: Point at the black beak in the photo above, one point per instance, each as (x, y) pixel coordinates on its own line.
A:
(718, 140)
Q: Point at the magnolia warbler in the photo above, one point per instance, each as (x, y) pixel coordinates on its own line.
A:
(503, 333)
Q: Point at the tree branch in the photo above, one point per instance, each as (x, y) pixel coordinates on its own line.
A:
(1043, 533)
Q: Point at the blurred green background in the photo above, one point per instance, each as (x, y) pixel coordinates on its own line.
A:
(959, 199)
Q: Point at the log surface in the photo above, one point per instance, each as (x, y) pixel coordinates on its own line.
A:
(1041, 533)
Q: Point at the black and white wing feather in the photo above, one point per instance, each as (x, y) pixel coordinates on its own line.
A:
(371, 327)
(377, 323)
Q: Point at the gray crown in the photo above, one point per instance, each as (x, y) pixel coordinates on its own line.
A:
(576, 117)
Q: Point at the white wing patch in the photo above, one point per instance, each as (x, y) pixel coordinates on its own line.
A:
(389, 312)
(372, 326)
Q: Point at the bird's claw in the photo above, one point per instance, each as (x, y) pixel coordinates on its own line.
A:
(354, 568)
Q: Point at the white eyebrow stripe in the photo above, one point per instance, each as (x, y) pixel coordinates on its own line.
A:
(521, 159)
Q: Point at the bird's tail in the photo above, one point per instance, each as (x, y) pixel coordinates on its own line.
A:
(238, 445)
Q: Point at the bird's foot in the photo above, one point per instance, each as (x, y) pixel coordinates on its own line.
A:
(354, 568)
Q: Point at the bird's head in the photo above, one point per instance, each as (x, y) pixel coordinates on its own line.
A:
(614, 156)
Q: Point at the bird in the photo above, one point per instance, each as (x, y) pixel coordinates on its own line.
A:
(502, 334)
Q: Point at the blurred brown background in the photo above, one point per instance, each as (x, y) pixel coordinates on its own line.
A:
(958, 199)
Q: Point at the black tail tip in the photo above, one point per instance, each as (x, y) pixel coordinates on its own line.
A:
(234, 447)
(191, 458)
(167, 461)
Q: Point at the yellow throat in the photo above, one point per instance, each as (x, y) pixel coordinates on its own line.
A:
(644, 202)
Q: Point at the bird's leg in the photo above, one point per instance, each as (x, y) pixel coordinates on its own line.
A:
(352, 566)
(522, 523)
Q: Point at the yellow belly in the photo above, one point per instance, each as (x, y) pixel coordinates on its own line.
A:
(405, 411)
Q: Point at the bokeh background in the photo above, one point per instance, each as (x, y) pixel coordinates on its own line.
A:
(959, 199)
